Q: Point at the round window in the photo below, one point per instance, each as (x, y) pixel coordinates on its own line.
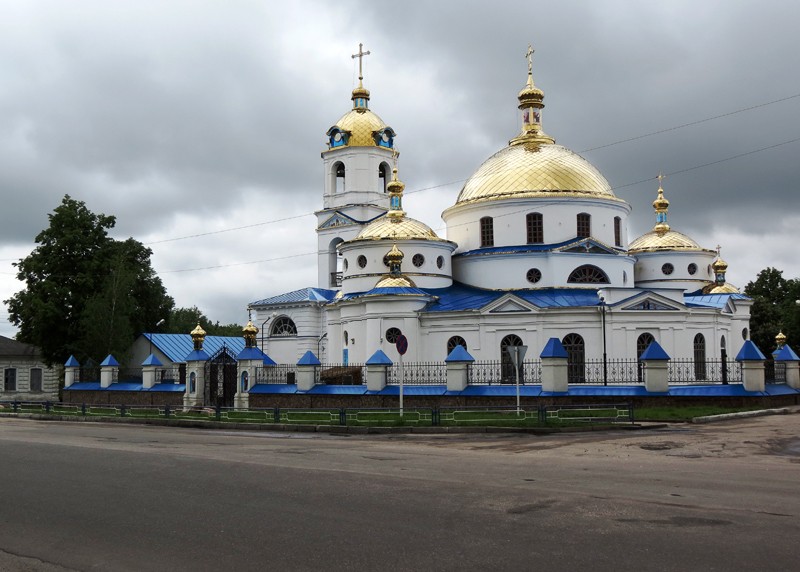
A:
(418, 260)
(392, 334)
(439, 261)
(386, 260)
(534, 275)
(692, 269)
(667, 269)
(362, 261)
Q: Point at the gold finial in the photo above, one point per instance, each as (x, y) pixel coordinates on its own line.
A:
(395, 189)
(780, 339)
(661, 206)
(249, 334)
(360, 55)
(198, 336)
(529, 55)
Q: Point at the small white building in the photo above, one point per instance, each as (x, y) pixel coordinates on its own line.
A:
(26, 377)
(537, 247)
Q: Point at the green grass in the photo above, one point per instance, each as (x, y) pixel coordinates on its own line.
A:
(684, 413)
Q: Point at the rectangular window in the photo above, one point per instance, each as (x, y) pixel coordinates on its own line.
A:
(584, 225)
(10, 380)
(535, 228)
(36, 379)
(487, 231)
(617, 231)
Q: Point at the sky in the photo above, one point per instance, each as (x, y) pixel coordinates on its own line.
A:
(199, 124)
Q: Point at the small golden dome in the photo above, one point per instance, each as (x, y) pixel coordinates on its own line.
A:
(249, 328)
(657, 241)
(402, 229)
(395, 255)
(719, 266)
(395, 282)
(534, 170)
(780, 339)
(198, 332)
(361, 124)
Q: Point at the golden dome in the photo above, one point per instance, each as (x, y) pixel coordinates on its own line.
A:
(395, 282)
(657, 241)
(723, 289)
(719, 266)
(360, 124)
(198, 332)
(780, 339)
(402, 229)
(534, 170)
(395, 255)
(249, 328)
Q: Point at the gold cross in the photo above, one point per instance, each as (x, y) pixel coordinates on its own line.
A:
(660, 178)
(360, 55)
(719, 249)
(529, 55)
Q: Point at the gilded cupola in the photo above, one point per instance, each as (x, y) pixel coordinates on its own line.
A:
(198, 336)
(531, 104)
(720, 286)
(395, 279)
(249, 333)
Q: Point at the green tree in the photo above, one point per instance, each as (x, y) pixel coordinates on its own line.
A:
(85, 293)
(774, 309)
(183, 321)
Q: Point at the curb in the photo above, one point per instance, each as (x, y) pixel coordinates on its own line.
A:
(745, 415)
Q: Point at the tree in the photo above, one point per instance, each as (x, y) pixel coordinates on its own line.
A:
(85, 293)
(774, 309)
(183, 321)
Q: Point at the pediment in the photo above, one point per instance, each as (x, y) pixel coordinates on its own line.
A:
(649, 303)
(509, 304)
(337, 219)
(587, 246)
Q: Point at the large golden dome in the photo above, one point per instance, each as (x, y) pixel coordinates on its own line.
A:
(361, 124)
(534, 169)
(656, 241)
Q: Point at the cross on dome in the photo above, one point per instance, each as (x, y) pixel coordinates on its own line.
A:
(360, 55)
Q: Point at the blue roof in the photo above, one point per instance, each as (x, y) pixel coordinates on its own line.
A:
(250, 353)
(654, 352)
(72, 362)
(719, 301)
(412, 390)
(379, 358)
(462, 297)
(151, 360)
(525, 248)
(269, 361)
(393, 291)
(459, 354)
(272, 388)
(196, 355)
(302, 295)
(786, 354)
(168, 387)
(177, 346)
(308, 359)
(109, 361)
(338, 390)
(553, 349)
(750, 352)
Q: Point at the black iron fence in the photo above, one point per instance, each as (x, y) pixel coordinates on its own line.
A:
(690, 371)
(615, 371)
(418, 373)
(498, 372)
(277, 374)
(774, 372)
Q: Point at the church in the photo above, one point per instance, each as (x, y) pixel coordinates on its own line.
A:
(536, 247)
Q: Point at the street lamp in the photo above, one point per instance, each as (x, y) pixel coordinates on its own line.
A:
(602, 295)
(262, 329)
(161, 321)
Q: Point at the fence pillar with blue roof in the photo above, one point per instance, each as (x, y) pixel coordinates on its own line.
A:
(656, 368)
(109, 370)
(555, 373)
(458, 363)
(752, 360)
(71, 368)
(307, 371)
(377, 365)
(248, 361)
(196, 370)
(149, 366)
(791, 362)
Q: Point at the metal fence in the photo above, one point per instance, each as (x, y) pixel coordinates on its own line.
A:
(615, 371)
(774, 372)
(277, 374)
(705, 371)
(418, 373)
(498, 372)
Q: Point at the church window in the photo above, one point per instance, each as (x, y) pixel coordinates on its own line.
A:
(439, 261)
(383, 176)
(576, 358)
(455, 341)
(362, 261)
(624, 277)
(642, 343)
(283, 327)
(392, 334)
(617, 231)
(699, 357)
(487, 231)
(245, 381)
(534, 275)
(667, 269)
(338, 170)
(418, 260)
(346, 338)
(692, 269)
(344, 264)
(507, 373)
(36, 379)
(10, 379)
(535, 228)
(193, 382)
(584, 225)
(744, 334)
(587, 274)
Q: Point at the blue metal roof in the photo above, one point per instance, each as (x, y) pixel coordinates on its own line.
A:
(750, 352)
(302, 295)
(168, 387)
(379, 358)
(109, 361)
(524, 248)
(268, 388)
(553, 349)
(719, 301)
(151, 360)
(338, 390)
(177, 346)
(308, 358)
(412, 390)
(459, 297)
(459, 354)
(251, 353)
(786, 354)
(72, 362)
(654, 352)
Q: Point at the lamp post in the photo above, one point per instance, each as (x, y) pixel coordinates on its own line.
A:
(262, 329)
(161, 321)
(602, 295)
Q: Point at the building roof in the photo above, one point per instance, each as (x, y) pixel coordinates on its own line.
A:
(13, 348)
(302, 295)
(177, 346)
(718, 301)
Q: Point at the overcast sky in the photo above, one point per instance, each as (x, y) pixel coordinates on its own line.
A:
(190, 117)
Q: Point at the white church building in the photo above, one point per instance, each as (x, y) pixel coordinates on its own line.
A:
(536, 247)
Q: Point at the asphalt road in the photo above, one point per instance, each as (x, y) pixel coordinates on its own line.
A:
(90, 496)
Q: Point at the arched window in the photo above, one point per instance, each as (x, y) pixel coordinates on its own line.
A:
(699, 357)
(576, 358)
(487, 231)
(338, 178)
(587, 274)
(245, 381)
(193, 382)
(346, 338)
(283, 327)
(455, 341)
(535, 227)
(584, 225)
(617, 231)
(507, 373)
(335, 263)
(642, 342)
(383, 176)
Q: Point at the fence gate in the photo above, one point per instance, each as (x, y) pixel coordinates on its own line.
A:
(221, 372)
